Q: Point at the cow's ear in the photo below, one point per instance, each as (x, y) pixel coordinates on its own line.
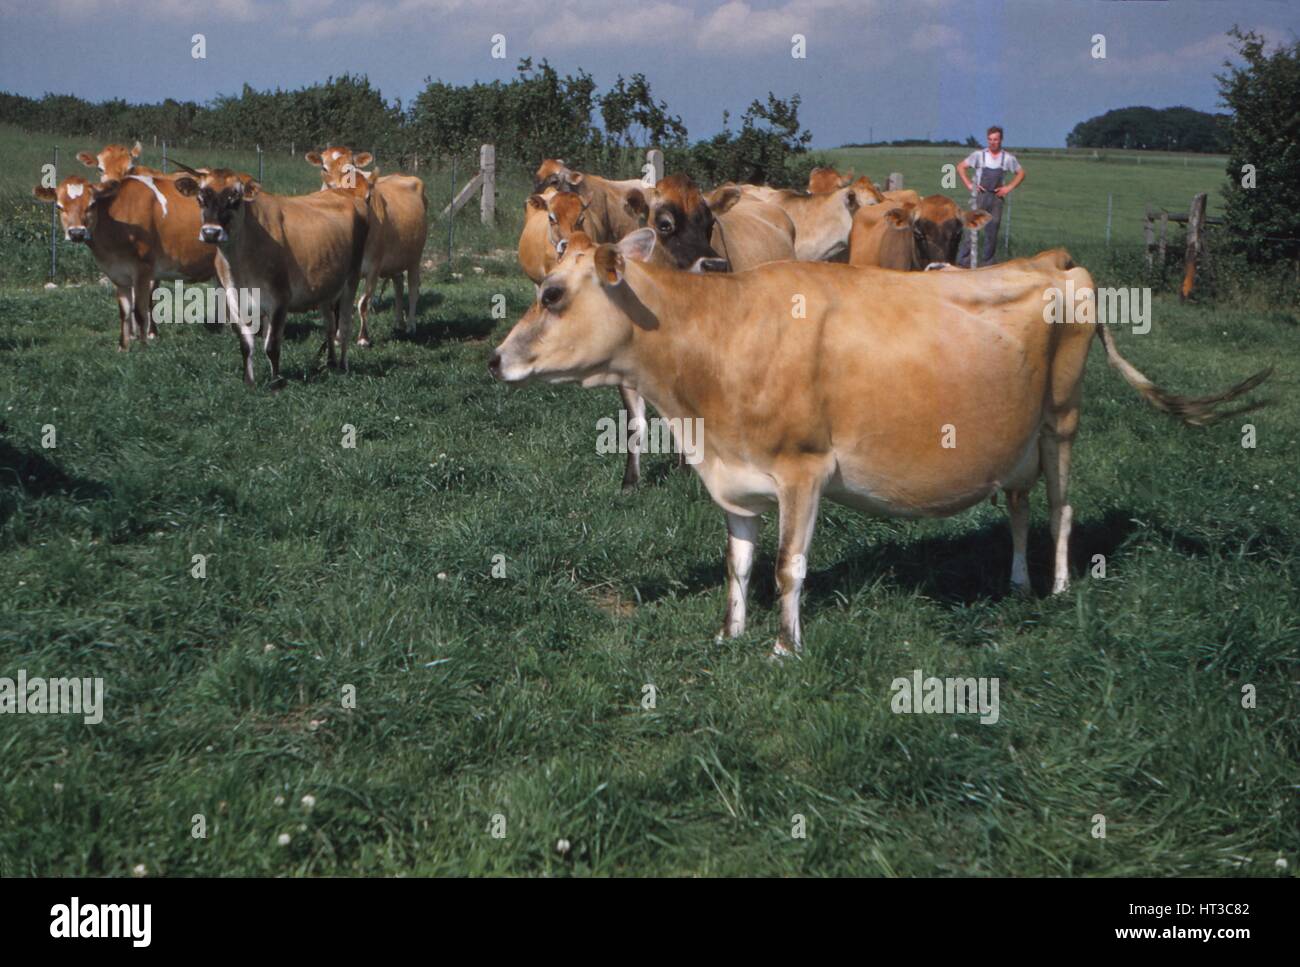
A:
(900, 217)
(636, 203)
(537, 202)
(136, 149)
(867, 188)
(608, 264)
(638, 245)
(723, 199)
(45, 194)
(313, 158)
(363, 159)
(88, 159)
(577, 182)
(251, 187)
(975, 220)
(187, 186)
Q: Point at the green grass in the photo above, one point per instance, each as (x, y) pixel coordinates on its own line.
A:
(521, 696)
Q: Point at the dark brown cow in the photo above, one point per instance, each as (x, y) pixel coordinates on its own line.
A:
(910, 236)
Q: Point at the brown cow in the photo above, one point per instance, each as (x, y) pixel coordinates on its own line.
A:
(609, 216)
(134, 243)
(296, 251)
(911, 236)
(822, 221)
(855, 403)
(536, 250)
(115, 161)
(399, 228)
(823, 180)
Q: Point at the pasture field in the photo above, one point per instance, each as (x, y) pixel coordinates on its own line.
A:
(520, 696)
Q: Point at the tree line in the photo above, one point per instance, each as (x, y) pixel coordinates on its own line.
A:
(1148, 128)
(536, 114)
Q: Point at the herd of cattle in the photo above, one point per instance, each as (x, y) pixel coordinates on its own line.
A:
(897, 392)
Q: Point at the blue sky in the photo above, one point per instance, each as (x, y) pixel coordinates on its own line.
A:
(921, 68)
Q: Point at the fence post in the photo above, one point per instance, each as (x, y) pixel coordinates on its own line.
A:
(451, 213)
(54, 221)
(259, 164)
(164, 161)
(653, 172)
(487, 166)
(894, 182)
(1149, 236)
(1195, 225)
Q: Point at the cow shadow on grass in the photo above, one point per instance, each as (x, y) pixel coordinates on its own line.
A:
(30, 474)
(954, 570)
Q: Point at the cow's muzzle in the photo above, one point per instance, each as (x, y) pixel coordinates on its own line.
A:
(212, 234)
(78, 234)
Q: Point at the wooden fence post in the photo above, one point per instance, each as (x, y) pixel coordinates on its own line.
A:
(1149, 234)
(1195, 226)
(487, 166)
(653, 171)
(894, 182)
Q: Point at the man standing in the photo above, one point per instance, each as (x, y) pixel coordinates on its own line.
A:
(991, 165)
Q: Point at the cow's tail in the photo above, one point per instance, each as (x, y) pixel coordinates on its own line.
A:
(1192, 410)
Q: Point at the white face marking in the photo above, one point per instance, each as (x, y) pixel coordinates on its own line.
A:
(74, 190)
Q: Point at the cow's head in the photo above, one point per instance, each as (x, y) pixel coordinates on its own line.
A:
(553, 173)
(583, 318)
(682, 219)
(936, 225)
(221, 194)
(339, 166)
(566, 213)
(79, 203)
(114, 162)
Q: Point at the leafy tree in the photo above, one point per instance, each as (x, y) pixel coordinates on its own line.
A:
(1263, 221)
(1168, 129)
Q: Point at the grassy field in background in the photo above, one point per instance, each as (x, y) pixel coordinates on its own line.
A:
(520, 696)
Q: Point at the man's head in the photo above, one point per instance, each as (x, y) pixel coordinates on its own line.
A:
(994, 135)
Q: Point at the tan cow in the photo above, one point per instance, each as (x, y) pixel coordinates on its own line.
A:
(134, 243)
(296, 251)
(823, 180)
(822, 221)
(116, 161)
(609, 216)
(900, 394)
(536, 250)
(398, 230)
(910, 236)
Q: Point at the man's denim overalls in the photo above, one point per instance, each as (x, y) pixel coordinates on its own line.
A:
(988, 181)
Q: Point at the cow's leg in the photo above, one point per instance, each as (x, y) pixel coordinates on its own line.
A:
(363, 309)
(274, 337)
(742, 541)
(126, 316)
(246, 330)
(798, 502)
(141, 303)
(634, 404)
(413, 282)
(1018, 508)
(399, 298)
(344, 304)
(1056, 468)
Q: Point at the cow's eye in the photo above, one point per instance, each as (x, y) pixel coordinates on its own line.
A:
(552, 295)
(665, 228)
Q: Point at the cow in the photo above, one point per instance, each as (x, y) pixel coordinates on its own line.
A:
(911, 236)
(536, 249)
(295, 251)
(133, 241)
(116, 161)
(899, 394)
(399, 227)
(609, 216)
(822, 221)
(823, 180)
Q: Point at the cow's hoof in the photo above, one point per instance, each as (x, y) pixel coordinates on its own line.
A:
(782, 652)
